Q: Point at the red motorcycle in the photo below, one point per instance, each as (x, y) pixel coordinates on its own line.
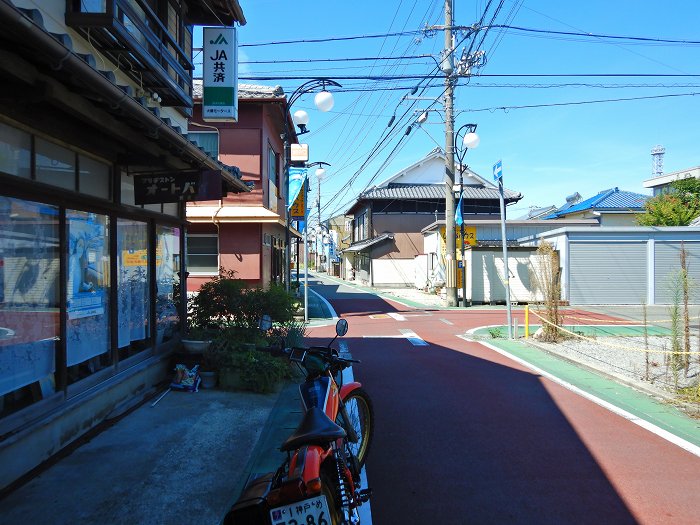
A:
(319, 482)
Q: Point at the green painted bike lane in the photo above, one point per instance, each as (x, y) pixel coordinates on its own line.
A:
(639, 404)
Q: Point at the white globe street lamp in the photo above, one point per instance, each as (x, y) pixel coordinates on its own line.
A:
(324, 101)
(471, 140)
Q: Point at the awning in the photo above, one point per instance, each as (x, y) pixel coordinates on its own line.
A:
(366, 243)
(232, 214)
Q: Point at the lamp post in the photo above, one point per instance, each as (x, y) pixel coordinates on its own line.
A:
(323, 102)
(320, 173)
(465, 139)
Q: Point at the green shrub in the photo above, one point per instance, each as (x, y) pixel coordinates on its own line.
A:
(226, 301)
(259, 371)
(495, 333)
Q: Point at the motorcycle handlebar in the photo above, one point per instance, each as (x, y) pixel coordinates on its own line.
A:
(325, 353)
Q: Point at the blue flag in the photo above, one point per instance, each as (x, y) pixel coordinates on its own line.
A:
(297, 176)
(458, 212)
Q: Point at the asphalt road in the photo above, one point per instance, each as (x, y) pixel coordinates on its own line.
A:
(466, 435)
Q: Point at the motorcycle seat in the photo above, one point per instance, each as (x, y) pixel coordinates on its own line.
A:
(315, 429)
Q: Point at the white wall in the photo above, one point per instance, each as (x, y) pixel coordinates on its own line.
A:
(393, 272)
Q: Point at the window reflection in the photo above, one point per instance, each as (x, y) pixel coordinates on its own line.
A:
(29, 304)
(88, 339)
(132, 288)
(168, 282)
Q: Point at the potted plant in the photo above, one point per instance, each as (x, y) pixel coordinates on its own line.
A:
(212, 360)
(198, 339)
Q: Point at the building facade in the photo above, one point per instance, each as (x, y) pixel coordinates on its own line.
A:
(95, 167)
(244, 232)
(388, 219)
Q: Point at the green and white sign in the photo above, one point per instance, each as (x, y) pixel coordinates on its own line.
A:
(220, 82)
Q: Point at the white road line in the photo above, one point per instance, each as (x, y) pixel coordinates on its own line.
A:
(409, 335)
(446, 321)
(413, 337)
(396, 316)
(664, 434)
(334, 315)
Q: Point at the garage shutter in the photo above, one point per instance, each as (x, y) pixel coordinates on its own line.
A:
(667, 265)
(608, 273)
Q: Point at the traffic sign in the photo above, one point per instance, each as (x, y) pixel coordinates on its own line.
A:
(497, 171)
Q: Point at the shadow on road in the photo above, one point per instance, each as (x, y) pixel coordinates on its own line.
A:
(460, 439)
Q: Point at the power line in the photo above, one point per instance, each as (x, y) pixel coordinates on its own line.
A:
(530, 106)
(333, 39)
(498, 75)
(342, 59)
(600, 35)
(586, 35)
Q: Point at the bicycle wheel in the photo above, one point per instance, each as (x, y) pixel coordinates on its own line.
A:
(359, 409)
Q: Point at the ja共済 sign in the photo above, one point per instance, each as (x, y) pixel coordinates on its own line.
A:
(220, 80)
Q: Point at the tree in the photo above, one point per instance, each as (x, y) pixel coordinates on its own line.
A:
(678, 207)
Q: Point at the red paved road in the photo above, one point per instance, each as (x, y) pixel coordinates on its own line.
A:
(465, 435)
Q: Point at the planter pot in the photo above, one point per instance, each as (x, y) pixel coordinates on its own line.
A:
(193, 346)
(208, 378)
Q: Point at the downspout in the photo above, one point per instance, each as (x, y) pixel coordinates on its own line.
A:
(218, 231)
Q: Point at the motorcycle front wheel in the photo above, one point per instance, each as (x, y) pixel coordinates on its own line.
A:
(358, 407)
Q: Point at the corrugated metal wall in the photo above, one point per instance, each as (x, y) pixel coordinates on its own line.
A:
(607, 272)
(667, 265)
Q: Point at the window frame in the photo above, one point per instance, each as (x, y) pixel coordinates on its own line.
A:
(187, 255)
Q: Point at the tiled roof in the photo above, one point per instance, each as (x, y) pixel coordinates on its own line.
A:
(612, 199)
(245, 91)
(433, 192)
(366, 243)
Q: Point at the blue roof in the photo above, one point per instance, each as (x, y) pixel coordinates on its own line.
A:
(612, 199)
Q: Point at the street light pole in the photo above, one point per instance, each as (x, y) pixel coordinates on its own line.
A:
(465, 139)
(324, 102)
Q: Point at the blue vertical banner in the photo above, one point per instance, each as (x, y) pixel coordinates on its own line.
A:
(458, 212)
(297, 177)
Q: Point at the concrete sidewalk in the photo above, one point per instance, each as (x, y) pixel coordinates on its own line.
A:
(183, 460)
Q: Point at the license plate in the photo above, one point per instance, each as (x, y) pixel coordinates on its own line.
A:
(312, 510)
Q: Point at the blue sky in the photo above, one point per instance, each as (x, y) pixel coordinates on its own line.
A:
(547, 152)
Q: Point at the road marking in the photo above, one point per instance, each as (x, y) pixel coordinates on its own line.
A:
(379, 316)
(446, 321)
(396, 316)
(664, 434)
(409, 335)
(413, 337)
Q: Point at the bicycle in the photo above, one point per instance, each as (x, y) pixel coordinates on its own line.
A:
(319, 481)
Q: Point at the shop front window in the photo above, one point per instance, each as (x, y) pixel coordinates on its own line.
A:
(167, 282)
(29, 302)
(88, 288)
(132, 288)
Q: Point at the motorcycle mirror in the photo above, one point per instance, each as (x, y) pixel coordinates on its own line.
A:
(341, 327)
(265, 323)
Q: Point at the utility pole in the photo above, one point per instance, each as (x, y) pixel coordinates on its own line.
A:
(450, 237)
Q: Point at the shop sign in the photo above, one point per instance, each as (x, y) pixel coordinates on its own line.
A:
(220, 80)
(178, 186)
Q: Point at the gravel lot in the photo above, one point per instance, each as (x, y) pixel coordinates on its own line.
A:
(625, 358)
